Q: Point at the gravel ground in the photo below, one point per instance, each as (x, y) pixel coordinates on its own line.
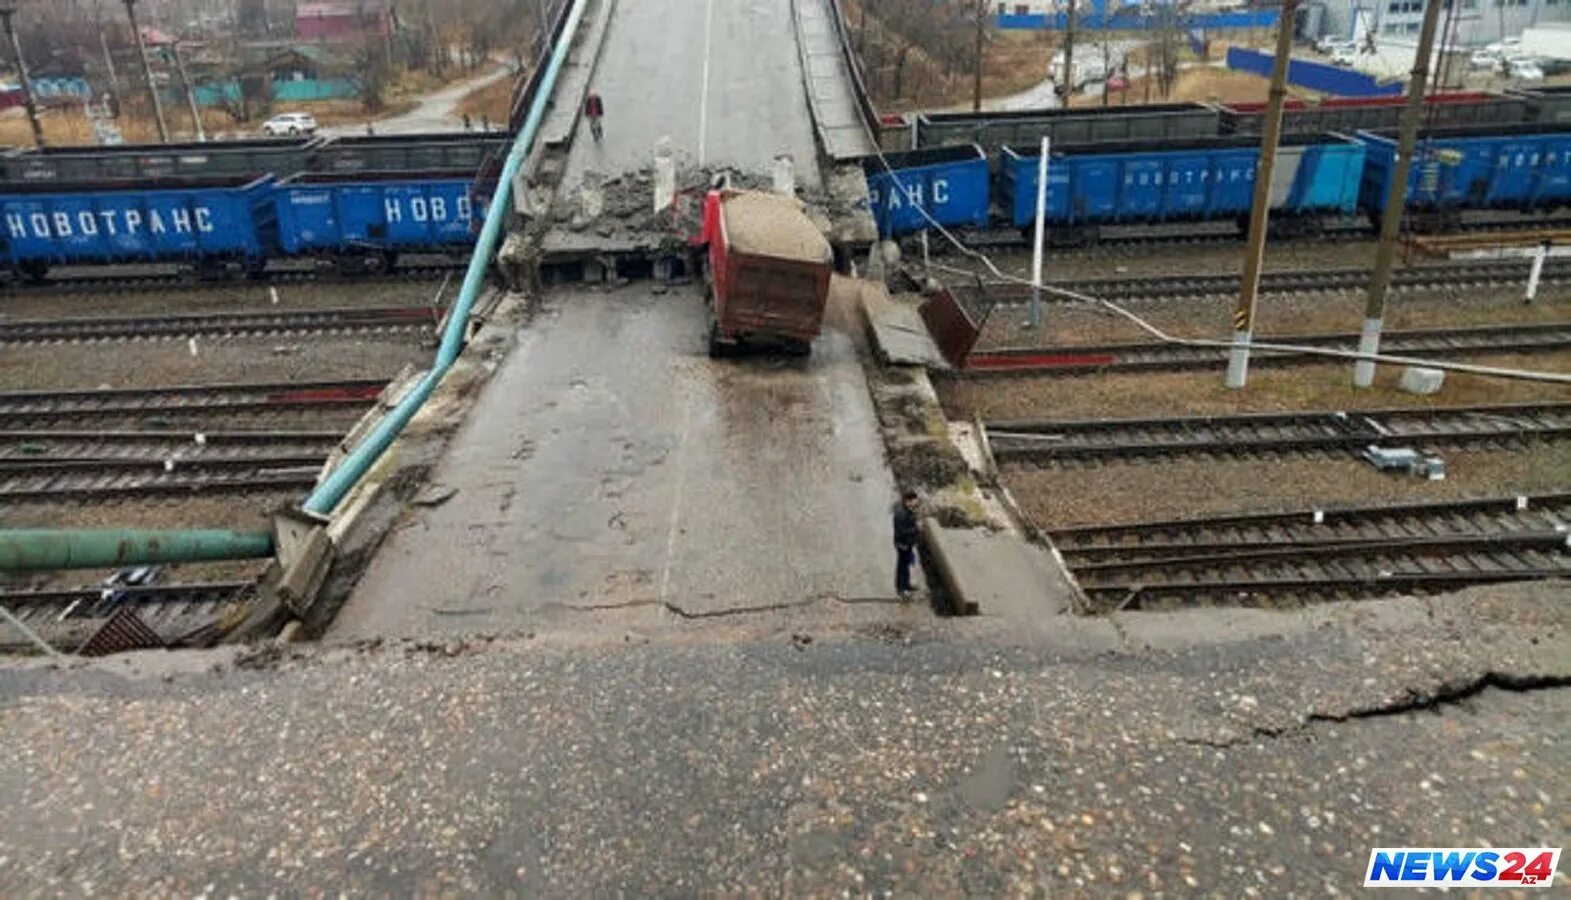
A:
(224, 298)
(1193, 488)
(260, 359)
(1135, 260)
(1148, 755)
(1297, 314)
(157, 512)
(1134, 395)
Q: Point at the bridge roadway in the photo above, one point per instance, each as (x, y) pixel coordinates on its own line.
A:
(611, 470)
(721, 79)
(611, 474)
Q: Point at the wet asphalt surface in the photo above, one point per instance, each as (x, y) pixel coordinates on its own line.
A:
(720, 80)
(643, 483)
(939, 760)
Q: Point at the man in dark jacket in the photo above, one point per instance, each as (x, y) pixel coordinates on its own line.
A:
(908, 530)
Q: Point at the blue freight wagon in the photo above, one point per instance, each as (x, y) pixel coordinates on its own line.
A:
(364, 221)
(1150, 182)
(1520, 167)
(214, 159)
(949, 183)
(208, 222)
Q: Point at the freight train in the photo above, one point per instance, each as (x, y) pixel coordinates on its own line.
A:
(1196, 162)
(231, 207)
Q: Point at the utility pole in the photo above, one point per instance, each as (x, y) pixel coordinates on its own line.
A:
(6, 12)
(1260, 211)
(1396, 200)
(981, 39)
(190, 95)
(1069, 53)
(109, 66)
(1107, 76)
(147, 72)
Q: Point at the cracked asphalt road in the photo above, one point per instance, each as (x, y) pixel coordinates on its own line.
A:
(953, 757)
(643, 475)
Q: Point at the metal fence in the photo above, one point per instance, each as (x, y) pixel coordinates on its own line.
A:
(1314, 76)
(1134, 21)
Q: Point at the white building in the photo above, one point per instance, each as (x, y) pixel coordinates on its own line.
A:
(1473, 23)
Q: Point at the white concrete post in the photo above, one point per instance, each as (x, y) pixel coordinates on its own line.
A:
(1368, 345)
(1036, 249)
(1536, 273)
(783, 176)
(664, 181)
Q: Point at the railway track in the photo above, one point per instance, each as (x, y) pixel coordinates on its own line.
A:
(1093, 442)
(186, 281)
(48, 466)
(1201, 233)
(1156, 356)
(1478, 273)
(165, 615)
(315, 321)
(1272, 558)
(22, 409)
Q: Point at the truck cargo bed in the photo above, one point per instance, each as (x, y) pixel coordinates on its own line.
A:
(769, 270)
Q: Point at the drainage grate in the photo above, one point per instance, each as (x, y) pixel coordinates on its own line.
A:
(122, 631)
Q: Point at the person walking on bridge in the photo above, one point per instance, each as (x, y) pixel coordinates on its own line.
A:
(908, 530)
(594, 110)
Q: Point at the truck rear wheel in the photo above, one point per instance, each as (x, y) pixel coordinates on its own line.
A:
(719, 348)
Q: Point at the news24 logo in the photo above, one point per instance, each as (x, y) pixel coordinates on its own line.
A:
(1478, 867)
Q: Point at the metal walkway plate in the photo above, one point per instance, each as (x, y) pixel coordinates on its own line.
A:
(829, 83)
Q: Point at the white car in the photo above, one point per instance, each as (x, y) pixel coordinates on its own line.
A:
(1484, 59)
(1329, 45)
(290, 123)
(1346, 57)
(1524, 69)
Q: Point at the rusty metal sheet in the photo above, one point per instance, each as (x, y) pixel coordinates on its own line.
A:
(952, 327)
(122, 631)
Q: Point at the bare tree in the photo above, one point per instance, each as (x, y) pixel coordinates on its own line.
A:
(372, 72)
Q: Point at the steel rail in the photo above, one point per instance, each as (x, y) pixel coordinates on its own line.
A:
(1134, 356)
(217, 324)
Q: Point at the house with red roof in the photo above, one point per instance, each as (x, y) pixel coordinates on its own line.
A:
(341, 20)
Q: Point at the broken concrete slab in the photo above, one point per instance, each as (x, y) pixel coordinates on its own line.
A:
(995, 573)
(898, 332)
(1422, 380)
(850, 207)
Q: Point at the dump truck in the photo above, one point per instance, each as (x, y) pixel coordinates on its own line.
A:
(768, 273)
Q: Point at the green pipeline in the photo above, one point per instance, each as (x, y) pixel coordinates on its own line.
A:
(34, 549)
